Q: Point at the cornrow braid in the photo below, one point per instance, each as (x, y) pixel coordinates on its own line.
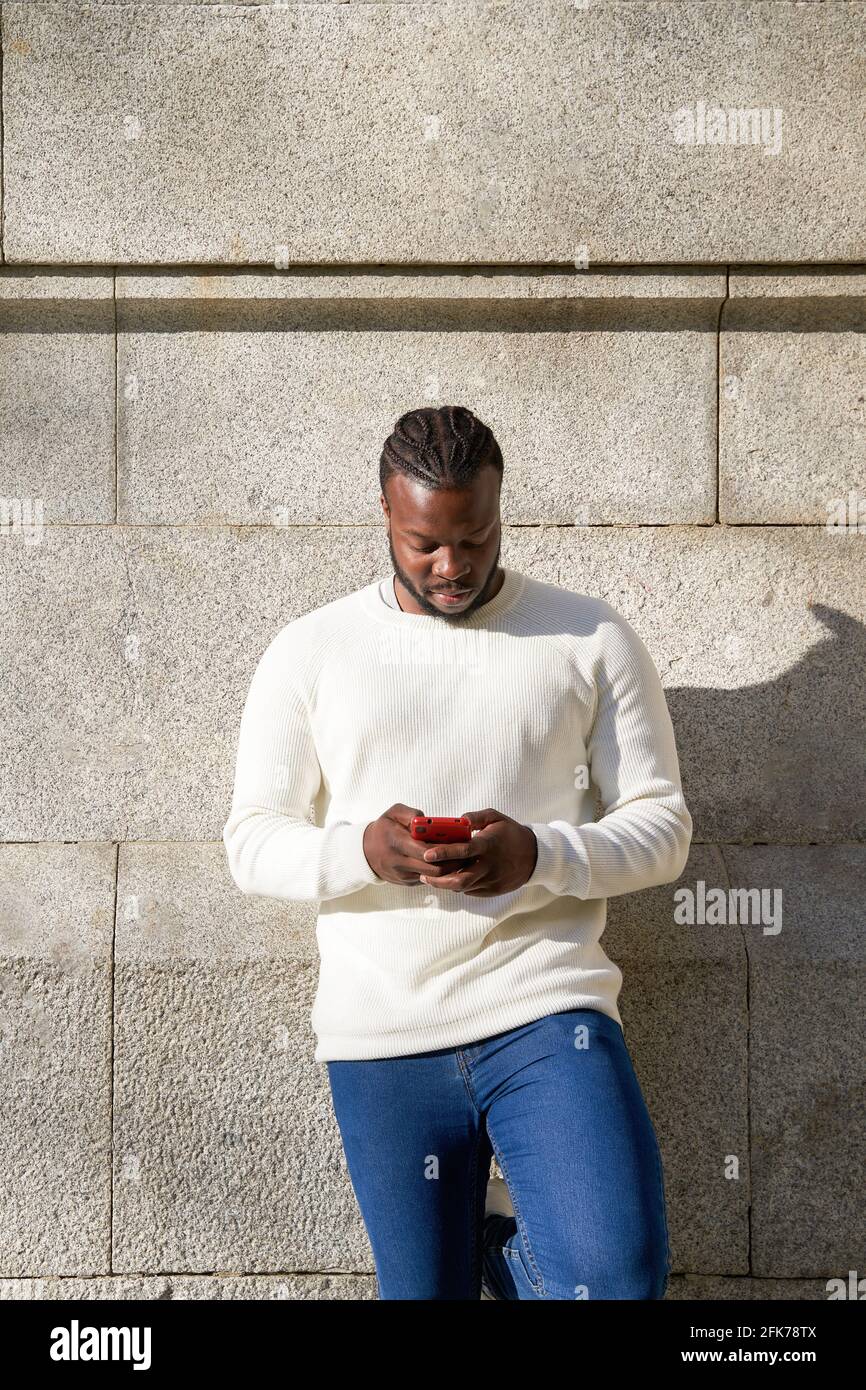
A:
(442, 447)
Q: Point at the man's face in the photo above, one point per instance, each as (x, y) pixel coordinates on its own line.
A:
(444, 540)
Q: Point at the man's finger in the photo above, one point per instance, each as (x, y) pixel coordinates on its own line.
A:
(459, 881)
(418, 866)
(479, 819)
(466, 849)
(403, 814)
(410, 852)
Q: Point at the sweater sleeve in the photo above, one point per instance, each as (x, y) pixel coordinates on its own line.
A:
(272, 847)
(643, 836)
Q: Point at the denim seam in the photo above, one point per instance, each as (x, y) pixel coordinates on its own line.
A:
(476, 1266)
(538, 1286)
(467, 1079)
(474, 1225)
(661, 1190)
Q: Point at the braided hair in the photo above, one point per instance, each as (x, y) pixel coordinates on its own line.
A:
(443, 447)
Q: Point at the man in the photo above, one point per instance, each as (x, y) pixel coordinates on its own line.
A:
(465, 1005)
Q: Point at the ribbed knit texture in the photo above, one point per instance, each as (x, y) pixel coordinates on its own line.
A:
(358, 705)
(386, 589)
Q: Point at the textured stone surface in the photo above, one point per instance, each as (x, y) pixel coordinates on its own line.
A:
(806, 1059)
(227, 1155)
(131, 651)
(72, 732)
(510, 132)
(334, 1287)
(244, 397)
(684, 1006)
(57, 393)
(204, 1288)
(756, 1290)
(792, 387)
(56, 922)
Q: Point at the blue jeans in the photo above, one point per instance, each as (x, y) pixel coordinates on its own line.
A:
(559, 1103)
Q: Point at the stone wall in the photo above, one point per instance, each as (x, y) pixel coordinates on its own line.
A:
(237, 242)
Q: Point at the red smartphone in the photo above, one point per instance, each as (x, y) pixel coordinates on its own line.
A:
(441, 830)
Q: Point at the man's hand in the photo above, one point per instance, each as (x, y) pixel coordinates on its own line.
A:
(502, 852)
(393, 853)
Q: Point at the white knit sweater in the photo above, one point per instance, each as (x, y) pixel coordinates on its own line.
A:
(544, 704)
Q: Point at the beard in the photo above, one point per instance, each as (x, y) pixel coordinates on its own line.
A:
(428, 606)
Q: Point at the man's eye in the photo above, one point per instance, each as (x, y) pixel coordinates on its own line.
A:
(425, 549)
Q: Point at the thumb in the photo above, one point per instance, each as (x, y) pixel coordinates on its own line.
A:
(402, 814)
(478, 819)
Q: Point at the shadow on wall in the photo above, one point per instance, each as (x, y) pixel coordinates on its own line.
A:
(800, 737)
